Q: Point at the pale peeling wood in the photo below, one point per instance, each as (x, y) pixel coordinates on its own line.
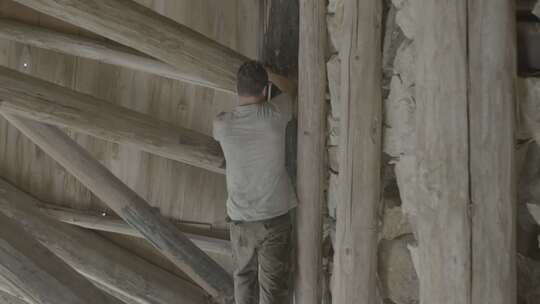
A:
(80, 46)
(360, 158)
(38, 273)
(7, 287)
(312, 170)
(163, 235)
(441, 221)
(200, 59)
(46, 102)
(492, 103)
(108, 223)
(101, 261)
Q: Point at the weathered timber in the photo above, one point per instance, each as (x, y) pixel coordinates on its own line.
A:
(201, 60)
(38, 273)
(441, 220)
(127, 204)
(7, 287)
(98, 259)
(492, 104)
(83, 47)
(42, 101)
(311, 173)
(95, 221)
(7, 298)
(360, 155)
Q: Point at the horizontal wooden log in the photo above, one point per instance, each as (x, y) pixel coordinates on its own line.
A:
(127, 204)
(38, 273)
(42, 101)
(200, 59)
(94, 221)
(76, 45)
(107, 265)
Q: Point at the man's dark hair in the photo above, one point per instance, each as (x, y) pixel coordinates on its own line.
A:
(251, 79)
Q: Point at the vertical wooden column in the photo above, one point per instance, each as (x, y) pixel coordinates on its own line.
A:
(360, 159)
(492, 66)
(311, 149)
(442, 153)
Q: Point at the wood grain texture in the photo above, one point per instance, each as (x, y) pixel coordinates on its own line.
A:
(492, 115)
(99, 222)
(38, 273)
(201, 60)
(76, 45)
(360, 155)
(6, 298)
(95, 257)
(441, 219)
(163, 235)
(42, 101)
(311, 173)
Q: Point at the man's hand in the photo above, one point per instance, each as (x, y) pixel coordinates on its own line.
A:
(285, 84)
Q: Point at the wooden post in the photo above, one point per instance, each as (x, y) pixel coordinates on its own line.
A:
(38, 273)
(95, 257)
(80, 46)
(46, 102)
(311, 149)
(94, 221)
(492, 102)
(441, 219)
(200, 59)
(163, 235)
(360, 159)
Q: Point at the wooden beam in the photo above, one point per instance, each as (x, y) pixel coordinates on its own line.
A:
(200, 59)
(95, 257)
(108, 223)
(6, 298)
(311, 172)
(127, 204)
(42, 101)
(441, 218)
(492, 104)
(360, 159)
(80, 46)
(38, 273)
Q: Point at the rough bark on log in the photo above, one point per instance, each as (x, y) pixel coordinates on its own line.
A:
(311, 172)
(76, 45)
(200, 59)
(160, 232)
(492, 102)
(442, 221)
(38, 273)
(360, 159)
(42, 101)
(116, 225)
(95, 257)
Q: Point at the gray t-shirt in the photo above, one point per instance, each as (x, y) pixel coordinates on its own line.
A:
(253, 140)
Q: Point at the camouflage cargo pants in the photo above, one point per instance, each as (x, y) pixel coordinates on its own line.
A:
(261, 252)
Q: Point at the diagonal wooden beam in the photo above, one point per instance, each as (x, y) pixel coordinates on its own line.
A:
(7, 298)
(46, 102)
(200, 59)
(94, 221)
(163, 235)
(107, 265)
(38, 273)
(76, 45)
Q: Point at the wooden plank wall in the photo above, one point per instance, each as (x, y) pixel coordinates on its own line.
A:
(180, 191)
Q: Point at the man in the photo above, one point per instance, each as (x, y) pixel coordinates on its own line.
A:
(261, 195)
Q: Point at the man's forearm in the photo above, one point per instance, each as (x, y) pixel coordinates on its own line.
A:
(284, 84)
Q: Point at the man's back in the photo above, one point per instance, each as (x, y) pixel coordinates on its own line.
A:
(253, 141)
